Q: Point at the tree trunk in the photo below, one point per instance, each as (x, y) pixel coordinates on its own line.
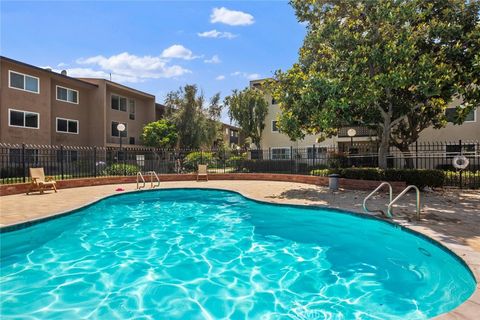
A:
(384, 144)
(407, 157)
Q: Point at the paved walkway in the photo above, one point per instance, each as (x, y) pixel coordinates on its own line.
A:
(451, 217)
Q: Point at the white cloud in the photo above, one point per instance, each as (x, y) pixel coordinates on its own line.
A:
(128, 68)
(231, 17)
(62, 64)
(178, 51)
(215, 59)
(220, 77)
(249, 76)
(216, 34)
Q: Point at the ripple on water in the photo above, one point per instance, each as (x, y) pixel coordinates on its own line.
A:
(210, 254)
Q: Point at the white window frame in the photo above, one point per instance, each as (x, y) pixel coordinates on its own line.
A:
(24, 81)
(289, 156)
(466, 121)
(119, 97)
(56, 125)
(474, 116)
(56, 94)
(275, 131)
(126, 129)
(24, 112)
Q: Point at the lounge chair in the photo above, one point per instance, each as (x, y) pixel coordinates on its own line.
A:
(202, 172)
(40, 182)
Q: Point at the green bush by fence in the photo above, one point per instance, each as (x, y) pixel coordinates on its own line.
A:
(193, 159)
(420, 177)
(120, 169)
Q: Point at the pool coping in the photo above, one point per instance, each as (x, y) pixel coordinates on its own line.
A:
(469, 309)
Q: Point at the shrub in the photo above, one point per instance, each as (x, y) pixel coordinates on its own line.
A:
(470, 179)
(363, 173)
(120, 169)
(420, 177)
(324, 172)
(235, 161)
(193, 159)
(283, 166)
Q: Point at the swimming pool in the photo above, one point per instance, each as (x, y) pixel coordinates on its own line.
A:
(193, 253)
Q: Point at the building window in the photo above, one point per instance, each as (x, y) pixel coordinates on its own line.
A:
(131, 109)
(68, 155)
(280, 153)
(23, 82)
(451, 114)
(274, 126)
(115, 132)
(67, 95)
(67, 125)
(233, 133)
(455, 149)
(119, 103)
(23, 119)
(132, 140)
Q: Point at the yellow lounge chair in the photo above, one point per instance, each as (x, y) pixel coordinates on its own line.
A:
(40, 182)
(202, 172)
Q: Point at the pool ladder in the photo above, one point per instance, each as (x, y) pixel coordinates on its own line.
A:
(152, 175)
(391, 201)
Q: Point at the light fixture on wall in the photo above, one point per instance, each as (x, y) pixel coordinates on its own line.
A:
(121, 128)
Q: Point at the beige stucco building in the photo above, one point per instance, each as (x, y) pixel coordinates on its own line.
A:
(42, 107)
(280, 145)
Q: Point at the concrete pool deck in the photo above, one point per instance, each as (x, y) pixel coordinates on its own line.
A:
(450, 217)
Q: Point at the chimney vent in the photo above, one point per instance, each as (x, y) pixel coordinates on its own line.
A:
(48, 69)
(64, 72)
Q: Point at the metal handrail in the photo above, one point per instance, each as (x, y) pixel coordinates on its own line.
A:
(374, 191)
(139, 174)
(389, 208)
(153, 174)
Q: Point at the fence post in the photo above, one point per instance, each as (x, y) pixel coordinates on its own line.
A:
(416, 154)
(461, 153)
(95, 162)
(125, 153)
(61, 161)
(292, 161)
(24, 170)
(313, 156)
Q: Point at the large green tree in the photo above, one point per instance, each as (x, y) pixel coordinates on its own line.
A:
(160, 134)
(393, 65)
(249, 109)
(197, 123)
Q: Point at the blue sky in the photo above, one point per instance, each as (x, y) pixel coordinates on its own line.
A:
(155, 46)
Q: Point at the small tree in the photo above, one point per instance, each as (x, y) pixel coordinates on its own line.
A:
(249, 109)
(160, 134)
(196, 123)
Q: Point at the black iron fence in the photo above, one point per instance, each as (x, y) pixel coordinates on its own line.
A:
(67, 162)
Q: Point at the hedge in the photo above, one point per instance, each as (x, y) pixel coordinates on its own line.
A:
(193, 159)
(120, 169)
(420, 177)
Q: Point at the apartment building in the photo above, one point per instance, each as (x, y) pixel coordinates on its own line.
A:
(280, 144)
(232, 135)
(39, 106)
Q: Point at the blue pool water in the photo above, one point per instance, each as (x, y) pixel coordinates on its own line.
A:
(193, 254)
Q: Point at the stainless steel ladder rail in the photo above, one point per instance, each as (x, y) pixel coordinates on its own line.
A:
(390, 189)
(154, 174)
(140, 175)
(389, 208)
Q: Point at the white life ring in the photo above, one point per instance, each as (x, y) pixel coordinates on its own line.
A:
(460, 162)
